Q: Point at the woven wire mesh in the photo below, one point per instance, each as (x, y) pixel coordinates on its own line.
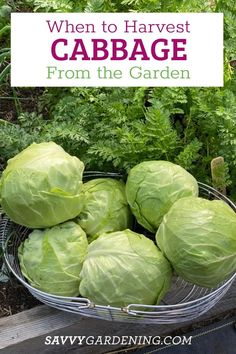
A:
(183, 302)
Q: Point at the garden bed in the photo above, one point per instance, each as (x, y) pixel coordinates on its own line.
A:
(15, 298)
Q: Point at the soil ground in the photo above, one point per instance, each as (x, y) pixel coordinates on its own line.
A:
(15, 298)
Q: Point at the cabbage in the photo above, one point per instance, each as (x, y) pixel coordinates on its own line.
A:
(105, 207)
(41, 186)
(122, 268)
(153, 186)
(51, 259)
(198, 237)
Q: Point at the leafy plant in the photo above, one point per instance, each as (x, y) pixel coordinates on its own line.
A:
(152, 187)
(105, 208)
(124, 268)
(5, 11)
(198, 238)
(116, 128)
(51, 259)
(41, 186)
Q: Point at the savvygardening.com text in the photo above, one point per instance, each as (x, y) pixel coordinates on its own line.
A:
(118, 340)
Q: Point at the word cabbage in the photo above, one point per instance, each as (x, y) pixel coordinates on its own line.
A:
(119, 49)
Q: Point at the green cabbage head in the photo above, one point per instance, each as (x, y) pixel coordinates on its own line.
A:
(41, 186)
(51, 259)
(123, 268)
(153, 186)
(105, 207)
(198, 237)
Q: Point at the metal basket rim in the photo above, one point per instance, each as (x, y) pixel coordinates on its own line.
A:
(89, 303)
(92, 304)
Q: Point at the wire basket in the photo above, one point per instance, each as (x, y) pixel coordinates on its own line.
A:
(183, 302)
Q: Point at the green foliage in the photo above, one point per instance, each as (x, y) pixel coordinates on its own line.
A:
(116, 128)
(189, 154)
(5, 11)
(214, 111)
(52, 5)
(33, 128)
(94, 6)
(229, 10)
(13, 139)
(76, 6)
(149, 138)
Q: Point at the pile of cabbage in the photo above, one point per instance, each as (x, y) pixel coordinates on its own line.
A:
(83, 238)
